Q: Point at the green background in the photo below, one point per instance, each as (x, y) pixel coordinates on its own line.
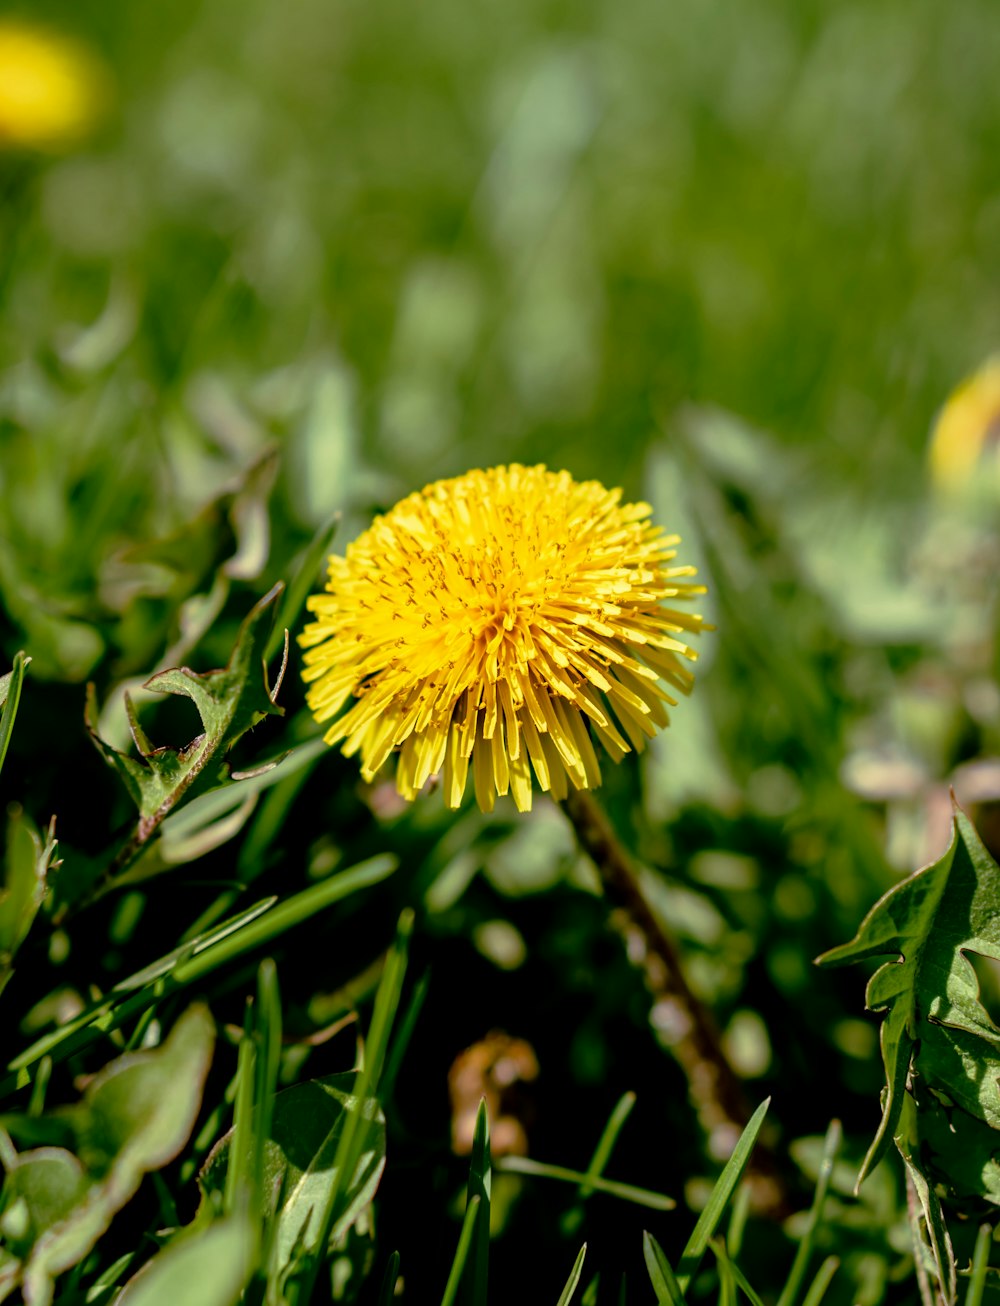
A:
(730, 256)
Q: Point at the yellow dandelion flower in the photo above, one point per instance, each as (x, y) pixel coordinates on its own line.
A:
(52, 89)
(506, 620)
(965, 444)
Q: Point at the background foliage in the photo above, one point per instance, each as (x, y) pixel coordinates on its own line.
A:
(729, 254)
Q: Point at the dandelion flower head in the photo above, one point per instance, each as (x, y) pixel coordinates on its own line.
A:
(501, 621)
(52, 90)
(965, 444)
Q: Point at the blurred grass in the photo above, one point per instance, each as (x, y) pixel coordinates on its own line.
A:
(474, 234)
(731, 255)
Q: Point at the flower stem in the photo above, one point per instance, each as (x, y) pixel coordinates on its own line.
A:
(717, 1093)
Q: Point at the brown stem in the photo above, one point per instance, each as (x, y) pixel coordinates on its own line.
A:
(716, 1090)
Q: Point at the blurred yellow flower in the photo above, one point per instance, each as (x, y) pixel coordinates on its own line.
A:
(498, 619)
(52, 89)
(966, 435)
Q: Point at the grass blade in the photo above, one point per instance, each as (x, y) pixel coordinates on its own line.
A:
(819, 1285)
(267, 1046)
(366, 1084)
(831, 1146)
(300, 907)
(268, 1030)
(627, 1192)
(715, 1207)
(302, 584)
(10, 696)
(661, 1275)
(566, 1296)
(461, 1252)
(190, 964)
(727, 1280)
(388, 1289)
(238, 1195)
(606, 1143)
(475, 1282)
(980, 1264)
(731, 1274)
(738, 1220)
(279, 787)
(404, 1032)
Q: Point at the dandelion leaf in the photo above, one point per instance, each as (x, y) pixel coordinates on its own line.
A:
(940, 1048)
(229, 701)
(935, 1244)
(135, 1116)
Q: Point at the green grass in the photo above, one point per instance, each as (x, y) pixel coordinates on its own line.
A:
(730, 256)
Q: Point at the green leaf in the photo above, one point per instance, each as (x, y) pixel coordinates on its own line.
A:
(207, 1269)
(10, 695)
(28, 862)
(229, 701)
(42, 1188)
(300, 1164)
(135, 1116)
(139, 1110)
(936, 1027)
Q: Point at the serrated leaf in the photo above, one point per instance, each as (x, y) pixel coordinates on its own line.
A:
(135, 1116)
(935, 1024)
(230, 702)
